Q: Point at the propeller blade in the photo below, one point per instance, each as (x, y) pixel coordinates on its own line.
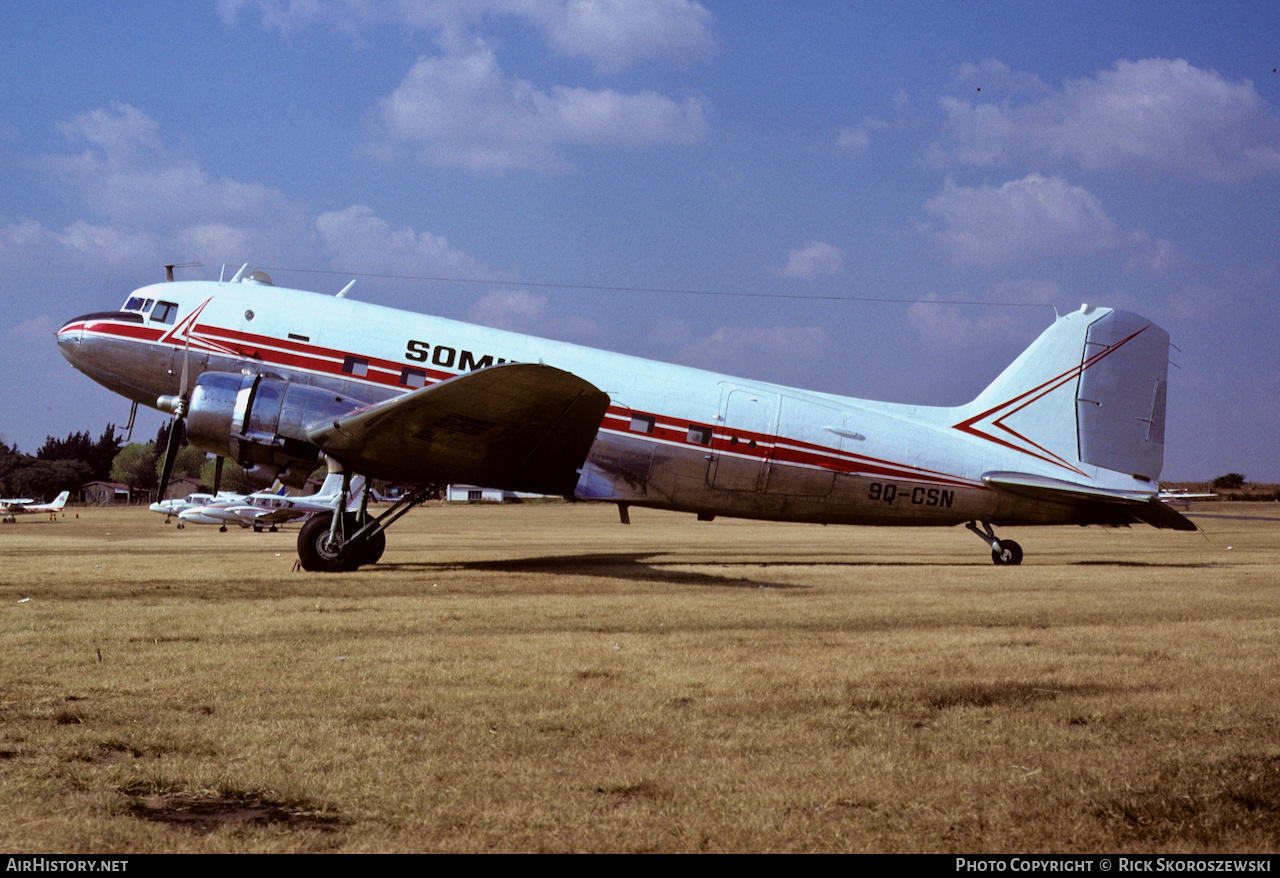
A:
(217, 475)
(186, 364)
(170, 453)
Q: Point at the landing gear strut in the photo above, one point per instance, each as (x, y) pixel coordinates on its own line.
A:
(348, 540)
(1003, 552)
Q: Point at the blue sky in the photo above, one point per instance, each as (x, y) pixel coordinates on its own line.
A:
(806, 158)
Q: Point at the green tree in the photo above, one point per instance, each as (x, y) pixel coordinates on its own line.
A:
(81, 446)
(135, 466)
(189, 462)
(12, 461)
(233, 477)
(1229, 482)
(45, 479)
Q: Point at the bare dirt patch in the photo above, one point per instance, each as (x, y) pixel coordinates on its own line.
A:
(203, 812)
(1240, 796)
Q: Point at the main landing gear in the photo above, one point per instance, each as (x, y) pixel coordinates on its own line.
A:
(342, 541)
(1003, 552)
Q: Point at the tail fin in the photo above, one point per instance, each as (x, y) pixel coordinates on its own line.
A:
(60, 501)
(1090, 390)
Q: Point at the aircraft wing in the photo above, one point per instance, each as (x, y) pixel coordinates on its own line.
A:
(280, 516)
(520, 427)
(1106, 506)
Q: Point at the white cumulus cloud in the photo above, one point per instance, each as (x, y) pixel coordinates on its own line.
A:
(1032, 218)
(611, 34)
(813, 260)
(463, 110)
(521, 311)
(615, 34)
(126, 173)
(775, 353)
(358, 240)
(143, 204)
(1165, 116)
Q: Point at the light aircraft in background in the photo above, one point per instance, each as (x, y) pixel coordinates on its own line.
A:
(269, 510)
(1071, 433)
(175, 505)
(11, 509)
(1182, 499)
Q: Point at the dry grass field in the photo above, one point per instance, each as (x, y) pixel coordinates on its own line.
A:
(541, 678)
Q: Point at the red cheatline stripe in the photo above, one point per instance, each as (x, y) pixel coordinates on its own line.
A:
(314, 358)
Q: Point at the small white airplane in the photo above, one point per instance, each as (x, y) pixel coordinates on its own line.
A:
(1182, 499)
(178, 505)
(1071, 433)
(269, 510)
(11, 509)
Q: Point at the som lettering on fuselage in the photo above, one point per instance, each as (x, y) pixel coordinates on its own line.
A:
(278, 379)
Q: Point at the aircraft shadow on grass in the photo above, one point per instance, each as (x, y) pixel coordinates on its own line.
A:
(646, 567)
(1160, 564)
(631, 566)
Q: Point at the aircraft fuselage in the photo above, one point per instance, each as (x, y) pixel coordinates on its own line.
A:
(673, 437)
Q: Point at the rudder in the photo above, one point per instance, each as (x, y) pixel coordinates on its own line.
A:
(1090, 391)
(1120, 402)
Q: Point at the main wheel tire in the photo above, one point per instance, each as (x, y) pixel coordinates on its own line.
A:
(318, 552)
(369, 549)
(1009, 554)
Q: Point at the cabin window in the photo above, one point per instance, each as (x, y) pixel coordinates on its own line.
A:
(357, 366)
(411, 377)
(642, 423)
(295, 337)
(164, 312)
(700, 435)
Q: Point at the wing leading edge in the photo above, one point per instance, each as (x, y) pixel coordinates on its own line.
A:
(519, 427)
(1094, 505)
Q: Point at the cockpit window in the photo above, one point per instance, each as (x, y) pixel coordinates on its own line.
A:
(138, 304)
(164, 312)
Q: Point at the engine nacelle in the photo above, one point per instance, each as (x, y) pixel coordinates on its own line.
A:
(260, 422)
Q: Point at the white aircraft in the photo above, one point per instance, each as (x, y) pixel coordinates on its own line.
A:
(266, 509)
(1071, 433)
(11, 509)
(178, 505)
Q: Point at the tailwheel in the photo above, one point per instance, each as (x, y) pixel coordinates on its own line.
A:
(1004, 553)
(1007, 553)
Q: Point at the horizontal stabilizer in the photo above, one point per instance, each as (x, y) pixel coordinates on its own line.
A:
(1113, 505)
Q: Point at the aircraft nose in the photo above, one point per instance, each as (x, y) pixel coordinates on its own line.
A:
(69, 338)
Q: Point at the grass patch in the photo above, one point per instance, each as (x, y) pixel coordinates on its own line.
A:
(541, 678)
(1199, 806)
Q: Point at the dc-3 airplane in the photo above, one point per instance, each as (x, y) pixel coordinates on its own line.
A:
(1071, 433)
(11, 509)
